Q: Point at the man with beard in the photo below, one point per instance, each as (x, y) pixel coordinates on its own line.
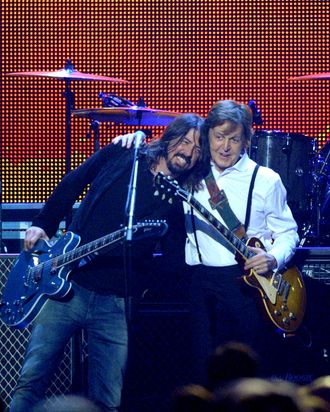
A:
(97, 301)
(223, 307)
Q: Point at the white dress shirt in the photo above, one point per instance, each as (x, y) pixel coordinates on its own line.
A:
(271, 219)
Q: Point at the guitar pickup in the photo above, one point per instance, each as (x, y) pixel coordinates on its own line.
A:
(283, 286)
(286, 291)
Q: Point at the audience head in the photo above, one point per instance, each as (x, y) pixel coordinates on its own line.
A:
(192, 398)
(231, 361)
(257, 395)
(316, 395)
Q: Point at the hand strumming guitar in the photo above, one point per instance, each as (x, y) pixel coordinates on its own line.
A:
(262, 262)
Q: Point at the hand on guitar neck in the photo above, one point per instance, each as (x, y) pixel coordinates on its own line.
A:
(262, 262)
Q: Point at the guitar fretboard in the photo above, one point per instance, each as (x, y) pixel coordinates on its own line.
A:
(77, 254)
(236, 242)
(89, 248)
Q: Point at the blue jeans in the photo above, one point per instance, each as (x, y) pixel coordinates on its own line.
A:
(103, 317)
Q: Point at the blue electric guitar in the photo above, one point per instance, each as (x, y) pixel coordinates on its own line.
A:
(42, 273)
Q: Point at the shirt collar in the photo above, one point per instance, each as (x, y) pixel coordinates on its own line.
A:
(240, 166)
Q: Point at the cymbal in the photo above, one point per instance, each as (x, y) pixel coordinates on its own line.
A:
(65, 74)
(316, 76)
(130, 115)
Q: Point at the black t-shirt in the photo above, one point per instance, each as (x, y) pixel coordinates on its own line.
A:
(103, 211)
(105, 274)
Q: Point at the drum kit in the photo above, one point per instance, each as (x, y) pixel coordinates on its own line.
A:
(304, 170)
(138, 115)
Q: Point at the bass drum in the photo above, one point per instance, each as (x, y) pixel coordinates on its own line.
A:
(291, 156)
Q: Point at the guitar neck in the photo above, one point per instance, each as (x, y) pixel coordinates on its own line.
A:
(89, 248)
(229, 236)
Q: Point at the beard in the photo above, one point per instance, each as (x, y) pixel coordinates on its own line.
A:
(175, 169)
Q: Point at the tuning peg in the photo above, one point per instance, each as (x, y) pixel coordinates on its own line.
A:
(163, 197)
(170, 200)
(156, 193)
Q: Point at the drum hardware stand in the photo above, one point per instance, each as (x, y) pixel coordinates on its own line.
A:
(95, 128)
(78, 363)
(314, 228)
(69, 106)
(316, 209)
(78, 366)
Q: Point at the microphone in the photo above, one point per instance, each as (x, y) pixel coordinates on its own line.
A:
(256, 113)
(139, 139)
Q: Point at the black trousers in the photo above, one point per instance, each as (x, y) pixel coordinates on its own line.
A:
(224, 308)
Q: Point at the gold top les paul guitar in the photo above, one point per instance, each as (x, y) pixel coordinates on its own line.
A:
(283, 291)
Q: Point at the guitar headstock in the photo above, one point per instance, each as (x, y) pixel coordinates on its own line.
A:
(168, 188)
(150, 229)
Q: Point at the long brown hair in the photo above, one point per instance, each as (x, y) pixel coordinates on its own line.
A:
(178, 129)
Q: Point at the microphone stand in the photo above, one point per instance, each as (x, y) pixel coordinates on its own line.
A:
(130, 204)
(129, 211)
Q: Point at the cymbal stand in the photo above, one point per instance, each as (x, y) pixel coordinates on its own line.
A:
(69, 106)
(78, 363)
(95, 128)
(319, 177)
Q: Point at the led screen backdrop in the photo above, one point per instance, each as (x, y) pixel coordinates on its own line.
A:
(178, 55)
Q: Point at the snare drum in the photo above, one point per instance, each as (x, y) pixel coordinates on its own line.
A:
(291, 156)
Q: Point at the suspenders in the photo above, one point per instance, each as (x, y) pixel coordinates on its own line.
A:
(219, 201)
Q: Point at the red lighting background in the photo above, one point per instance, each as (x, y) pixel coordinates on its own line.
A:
(178, 55)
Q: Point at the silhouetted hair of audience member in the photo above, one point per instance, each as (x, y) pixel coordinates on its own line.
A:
(67, 403)
(2, 405)
(320, 387)
(257, 395)
(312, 403)
(316, 395)
(232, 360)
(192, 398)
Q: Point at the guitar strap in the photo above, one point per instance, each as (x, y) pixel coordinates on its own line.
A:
(219, 201)
(248, 207)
